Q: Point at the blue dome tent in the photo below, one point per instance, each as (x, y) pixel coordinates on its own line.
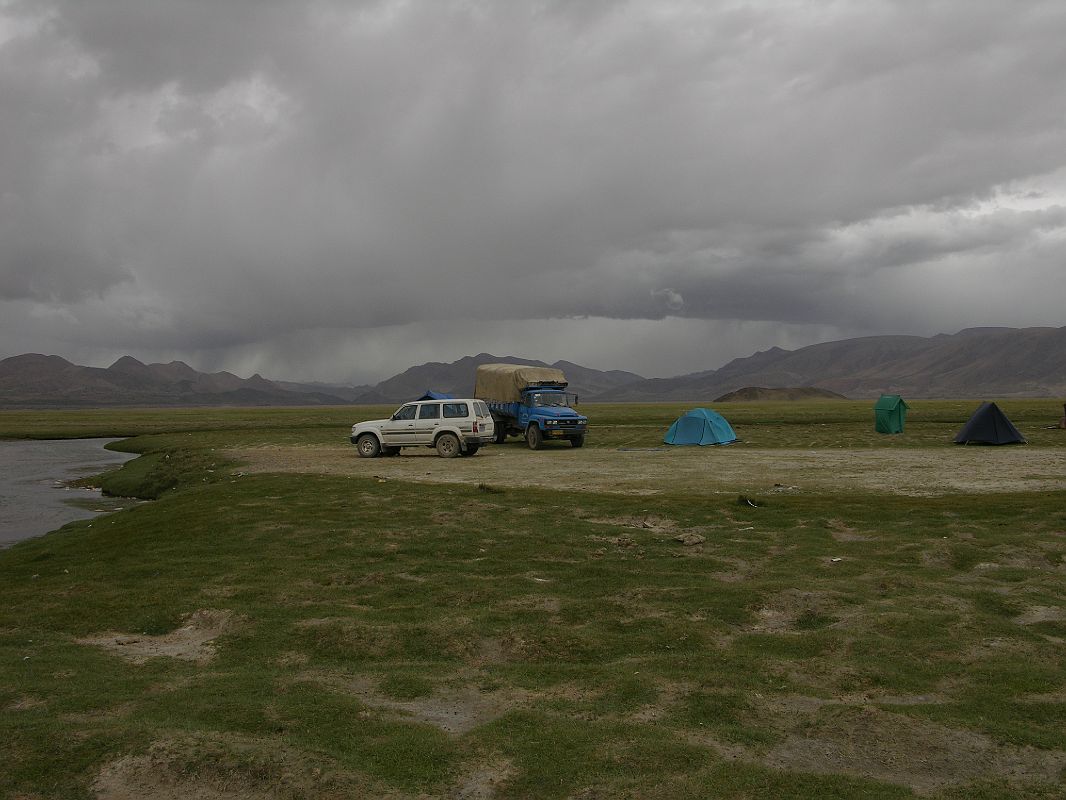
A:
(700, 426)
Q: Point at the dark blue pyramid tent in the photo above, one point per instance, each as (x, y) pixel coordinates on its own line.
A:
(890, 412)
(700, 426)
(432, 395)
(989, 425)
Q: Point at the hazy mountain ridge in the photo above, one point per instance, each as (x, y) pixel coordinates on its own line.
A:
(973, 363)
(34, 380)
(976, 362)
(751, 394)
(457, 378)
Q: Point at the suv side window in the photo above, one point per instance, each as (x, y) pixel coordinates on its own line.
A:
(405, 412)
(429, 411)
(455, 410)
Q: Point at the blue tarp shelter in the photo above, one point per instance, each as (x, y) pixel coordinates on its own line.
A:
(700, 426)
(432, 395)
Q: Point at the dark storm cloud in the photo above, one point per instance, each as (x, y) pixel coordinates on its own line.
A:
(203, 176)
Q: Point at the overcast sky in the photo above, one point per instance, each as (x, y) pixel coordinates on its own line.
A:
(339, 190)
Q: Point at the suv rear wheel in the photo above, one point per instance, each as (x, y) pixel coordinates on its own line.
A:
(367, 446)
(448, 445)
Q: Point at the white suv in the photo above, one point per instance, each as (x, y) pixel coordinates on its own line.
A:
(454, 427)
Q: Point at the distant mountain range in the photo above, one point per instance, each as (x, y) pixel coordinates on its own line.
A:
(457, 378)
(52, 382)
(751, 394)
(974, 363)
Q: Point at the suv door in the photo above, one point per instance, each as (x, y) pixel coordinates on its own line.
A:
(428, 422)
(400, 429)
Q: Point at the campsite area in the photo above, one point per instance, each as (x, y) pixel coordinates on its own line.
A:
(817, 611)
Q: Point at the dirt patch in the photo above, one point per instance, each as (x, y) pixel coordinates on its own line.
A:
(193, 641)
(938, 556)
(898, 749)
(752, 470)
(1057, 697)
(100, 714)
(455, 711)
(670, 694)
(483, 781)
(910, 699)
(1037, 614)
(25, 703)
(689, 539)
(785, 610)
(225, 767)
(998, 646)
(547, 604)
(291, 658)
(489, 651)
(741, 570)
(841, 532)
(1043, 557)
(650, 522)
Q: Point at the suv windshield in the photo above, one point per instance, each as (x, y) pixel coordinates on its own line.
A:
(549, 399)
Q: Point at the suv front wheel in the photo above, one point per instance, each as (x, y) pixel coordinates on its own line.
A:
(367, 446)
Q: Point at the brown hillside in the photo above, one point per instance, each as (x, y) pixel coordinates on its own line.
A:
(755, 393)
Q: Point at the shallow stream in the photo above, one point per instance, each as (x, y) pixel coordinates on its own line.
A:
(35, 492)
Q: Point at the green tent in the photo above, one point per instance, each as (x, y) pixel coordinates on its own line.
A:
(890, 412)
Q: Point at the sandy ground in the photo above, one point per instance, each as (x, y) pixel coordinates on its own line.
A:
(919, 472)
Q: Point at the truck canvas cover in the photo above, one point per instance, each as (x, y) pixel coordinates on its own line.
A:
(504, 382)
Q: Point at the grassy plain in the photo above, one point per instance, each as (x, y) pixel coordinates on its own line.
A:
(347, 635)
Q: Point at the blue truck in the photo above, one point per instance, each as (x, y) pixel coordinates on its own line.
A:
(531, 402)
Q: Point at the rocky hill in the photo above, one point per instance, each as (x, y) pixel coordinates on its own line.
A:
(974, 363)
(750, 394)
(457, 378)
(52, 382)
(40, 381)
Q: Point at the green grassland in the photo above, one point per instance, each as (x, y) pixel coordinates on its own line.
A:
(369, 638)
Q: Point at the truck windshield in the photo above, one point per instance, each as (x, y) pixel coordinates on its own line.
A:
(549, 399)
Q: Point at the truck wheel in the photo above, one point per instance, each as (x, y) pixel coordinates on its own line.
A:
(578, 441)
(367, 446)
(534, 438)
(448, 445)
(471, 449)
(501, 433)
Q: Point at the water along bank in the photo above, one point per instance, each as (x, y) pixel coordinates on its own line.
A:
(35, 492)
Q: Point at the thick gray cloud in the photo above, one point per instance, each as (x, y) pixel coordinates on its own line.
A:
(335, 190)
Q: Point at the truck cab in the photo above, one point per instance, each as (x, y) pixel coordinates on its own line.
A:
(544, 413)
